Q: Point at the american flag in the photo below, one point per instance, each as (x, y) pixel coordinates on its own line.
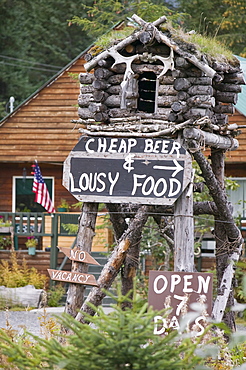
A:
(41, 192)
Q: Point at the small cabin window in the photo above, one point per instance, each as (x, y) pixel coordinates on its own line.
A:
(147, 92)
(23, 196)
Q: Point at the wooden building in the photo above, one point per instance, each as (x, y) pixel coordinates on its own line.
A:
(41, 128)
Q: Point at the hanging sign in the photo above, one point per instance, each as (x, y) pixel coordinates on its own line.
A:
(78, 255)
(72, 277)
(128, 170)
(178, 290)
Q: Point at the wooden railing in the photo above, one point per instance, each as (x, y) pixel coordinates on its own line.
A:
(35, 224)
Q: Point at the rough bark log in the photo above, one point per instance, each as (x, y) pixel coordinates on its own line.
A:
(86, 232)
(210, 139)
(224, 282)
(130, 237)
(216, 192)
(166, 101)
(225, 108)
(85, 89)
(115, 79)
(227, 87)
(85, 99)
(113, 101)
(178, 106)
(86, 78)
(100, 96)
(106, 63)
(191, 58)
(101, 117)
(205, 208)
(200, 80)
(102, 73)
(184, 233)
(221, 119)
(181, 84)
(114, 90)
(85, 113)
(234, 78)
(164, 112)
(183, 95)
(100, 84)
(201, 101)
(97, 107)
(226, 97)
(181, 62)
(166, 90)
(197, 113)
(200, 90)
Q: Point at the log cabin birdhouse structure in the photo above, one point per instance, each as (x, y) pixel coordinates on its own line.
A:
(153, 81)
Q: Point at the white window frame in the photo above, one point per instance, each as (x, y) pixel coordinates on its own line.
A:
(30, 177)
(237, 212)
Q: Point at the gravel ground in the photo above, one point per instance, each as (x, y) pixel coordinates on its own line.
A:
(29, 320)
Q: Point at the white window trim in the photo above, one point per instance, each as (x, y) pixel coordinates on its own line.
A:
(30, 177)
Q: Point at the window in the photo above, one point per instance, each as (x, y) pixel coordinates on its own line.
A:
(147, 92)
(238, 197)
(23, 196)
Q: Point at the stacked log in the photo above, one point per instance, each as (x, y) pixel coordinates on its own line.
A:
(182, 94)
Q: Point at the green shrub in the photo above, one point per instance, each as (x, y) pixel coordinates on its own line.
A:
(12, 275)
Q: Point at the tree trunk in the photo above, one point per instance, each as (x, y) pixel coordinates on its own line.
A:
(86, 232)
(130, 237)
(217, 158)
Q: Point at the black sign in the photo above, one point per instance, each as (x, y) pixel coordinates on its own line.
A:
(127, 170)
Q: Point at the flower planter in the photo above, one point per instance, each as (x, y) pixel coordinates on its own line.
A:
(32, 251)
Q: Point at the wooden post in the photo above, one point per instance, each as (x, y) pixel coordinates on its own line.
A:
(86, 232)
(184, 232)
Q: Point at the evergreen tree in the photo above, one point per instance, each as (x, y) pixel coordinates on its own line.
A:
(36, 42)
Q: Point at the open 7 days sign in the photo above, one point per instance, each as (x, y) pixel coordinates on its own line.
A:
(128, 170)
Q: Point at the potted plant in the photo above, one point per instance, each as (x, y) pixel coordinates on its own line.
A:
(31, 244)
(63, 206)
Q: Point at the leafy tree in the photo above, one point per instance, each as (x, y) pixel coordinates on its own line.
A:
(36, 42)
(224, 19)
(104, 14)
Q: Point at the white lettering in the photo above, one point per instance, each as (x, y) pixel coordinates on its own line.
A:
(122, 147)
(83, 278)
(173, 192)
(164, 149)
(162, 329)
(135, 183)
(99, 190)
(151, 185)
(54, 274)
(148, 146)
(164, 187)
(113, 144)
(113, 181)
(183, 300)
(175, 280)
(87, 146)
(156, 146)
(64, 274)
(131, 144)
(84, 177)
(165, 283)
(199, 325)
(102, 145)
(72, 184)
(202, 284)
(82, 256)
(187, 283)
(175, 148)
